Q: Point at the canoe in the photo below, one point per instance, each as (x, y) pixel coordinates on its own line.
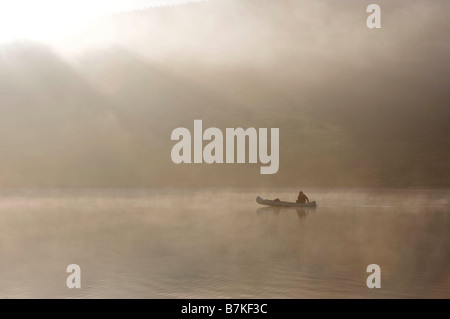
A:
(269, 202)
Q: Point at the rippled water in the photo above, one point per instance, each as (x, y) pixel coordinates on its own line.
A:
(221, 244)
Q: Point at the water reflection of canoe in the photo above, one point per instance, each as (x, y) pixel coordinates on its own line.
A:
(302, 212)
(269, 202)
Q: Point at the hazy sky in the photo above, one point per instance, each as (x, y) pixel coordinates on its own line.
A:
(53, 20)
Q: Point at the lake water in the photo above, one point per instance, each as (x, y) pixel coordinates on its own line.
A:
(140, 243)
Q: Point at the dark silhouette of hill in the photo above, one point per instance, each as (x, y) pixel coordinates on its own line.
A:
(56, 130)
(353, 108)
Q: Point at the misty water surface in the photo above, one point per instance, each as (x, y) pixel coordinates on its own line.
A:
(221, 244)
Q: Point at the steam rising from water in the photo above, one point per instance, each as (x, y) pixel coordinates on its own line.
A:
(208, 244)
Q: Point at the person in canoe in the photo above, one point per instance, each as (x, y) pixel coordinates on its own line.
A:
(302, 198)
